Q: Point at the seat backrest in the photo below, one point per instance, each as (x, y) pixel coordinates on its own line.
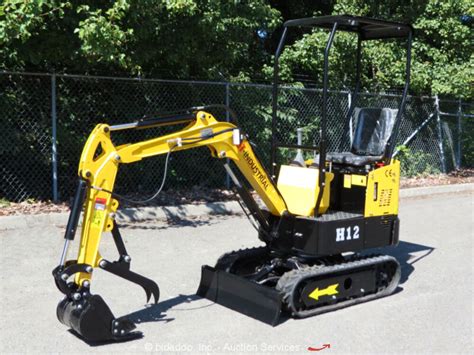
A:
(373, 129)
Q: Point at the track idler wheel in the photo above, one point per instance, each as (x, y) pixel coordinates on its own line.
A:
(90, 317)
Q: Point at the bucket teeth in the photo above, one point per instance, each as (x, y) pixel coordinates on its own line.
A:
(92, 319)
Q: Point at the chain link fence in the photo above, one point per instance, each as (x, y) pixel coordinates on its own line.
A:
(457, 132)
(25, 148)
(46, 119)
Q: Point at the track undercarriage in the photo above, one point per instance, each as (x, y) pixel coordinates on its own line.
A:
(265, 285)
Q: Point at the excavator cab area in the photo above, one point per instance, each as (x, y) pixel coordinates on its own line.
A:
(373, 128)
(359, 182)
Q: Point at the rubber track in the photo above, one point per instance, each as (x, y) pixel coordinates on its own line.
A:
(226, 260)
(289, 281)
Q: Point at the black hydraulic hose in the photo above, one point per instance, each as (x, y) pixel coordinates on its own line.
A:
(165, 173)
(247, 214)
(151, 198)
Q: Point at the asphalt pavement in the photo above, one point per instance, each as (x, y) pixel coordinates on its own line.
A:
(431, 312)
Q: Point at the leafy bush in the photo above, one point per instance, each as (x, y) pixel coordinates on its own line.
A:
(415, 163)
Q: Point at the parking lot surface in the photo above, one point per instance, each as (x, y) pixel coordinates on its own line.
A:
(432, 311)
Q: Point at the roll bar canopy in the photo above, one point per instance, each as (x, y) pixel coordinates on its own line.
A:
(367, 28)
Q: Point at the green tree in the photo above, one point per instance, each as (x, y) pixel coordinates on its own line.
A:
(442, 50)
(21, 24)
(217, 40)
(161, 38)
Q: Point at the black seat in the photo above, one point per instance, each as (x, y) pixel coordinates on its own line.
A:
(352, 159)
(373, 129)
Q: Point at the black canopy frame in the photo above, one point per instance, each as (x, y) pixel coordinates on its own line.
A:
(366, 29)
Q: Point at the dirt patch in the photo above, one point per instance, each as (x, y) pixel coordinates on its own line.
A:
(463, 176)
(31, 207)
(194, 196)
(203, 195)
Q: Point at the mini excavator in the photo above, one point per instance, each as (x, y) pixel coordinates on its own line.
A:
(319, 214)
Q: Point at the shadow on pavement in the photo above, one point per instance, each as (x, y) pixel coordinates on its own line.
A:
(157, 312)
(170, 223)
(134, 336)
(151, 313)
(407, 255)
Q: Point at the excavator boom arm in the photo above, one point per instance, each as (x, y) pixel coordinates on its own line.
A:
(100, 160)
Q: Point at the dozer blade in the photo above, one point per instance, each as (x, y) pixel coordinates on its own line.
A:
(93, 320)
(241, 295)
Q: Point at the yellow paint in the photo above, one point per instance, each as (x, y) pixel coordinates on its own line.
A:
(328, 291)
(381, 195)
(101, 173)
(299, 187)
(254, 172)
(347, 181)
(359, 180)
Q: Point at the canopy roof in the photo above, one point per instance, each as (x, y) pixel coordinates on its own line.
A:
(368, 28)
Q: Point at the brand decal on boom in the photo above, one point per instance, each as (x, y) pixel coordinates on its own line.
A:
(261, 176)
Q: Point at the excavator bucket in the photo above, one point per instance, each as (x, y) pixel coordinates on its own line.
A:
(241, 295)
(86, 314)
(92, 319)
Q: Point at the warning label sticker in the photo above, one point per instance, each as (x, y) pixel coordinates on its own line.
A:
(97, 217)
(100, 204)
(99, 211)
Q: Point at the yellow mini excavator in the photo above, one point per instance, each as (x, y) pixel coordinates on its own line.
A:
(319, 214)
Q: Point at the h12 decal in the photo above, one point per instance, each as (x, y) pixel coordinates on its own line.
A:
(348, 233)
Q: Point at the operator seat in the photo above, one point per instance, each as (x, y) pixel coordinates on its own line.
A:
(373, 129)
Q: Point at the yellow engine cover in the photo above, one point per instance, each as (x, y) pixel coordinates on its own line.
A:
(299, 188)
(381, 195)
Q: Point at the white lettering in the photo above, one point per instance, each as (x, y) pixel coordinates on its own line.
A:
(339, 234)
(348, 229)
(356, 232)
(343, 234)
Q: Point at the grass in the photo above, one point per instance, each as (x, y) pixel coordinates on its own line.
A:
(4, 202)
